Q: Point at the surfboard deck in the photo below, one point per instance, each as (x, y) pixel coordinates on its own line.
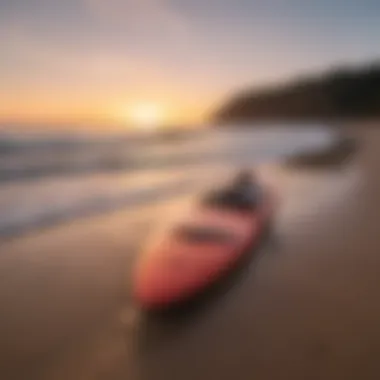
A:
(196, 252)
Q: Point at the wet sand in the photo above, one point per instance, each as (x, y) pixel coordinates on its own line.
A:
(305, 306)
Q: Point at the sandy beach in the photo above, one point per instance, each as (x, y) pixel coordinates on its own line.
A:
(305, 307)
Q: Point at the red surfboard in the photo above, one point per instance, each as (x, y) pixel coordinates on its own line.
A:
(197, 252)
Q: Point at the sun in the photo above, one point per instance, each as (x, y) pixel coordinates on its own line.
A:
(144, 115)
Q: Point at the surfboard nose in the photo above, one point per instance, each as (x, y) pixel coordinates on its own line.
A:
(155, 291)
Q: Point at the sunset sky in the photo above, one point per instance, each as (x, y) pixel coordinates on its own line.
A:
(170, 61)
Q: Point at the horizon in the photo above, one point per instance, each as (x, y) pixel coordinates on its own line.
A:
(132, 64)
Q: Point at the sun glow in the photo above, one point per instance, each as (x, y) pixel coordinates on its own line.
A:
(144, 115)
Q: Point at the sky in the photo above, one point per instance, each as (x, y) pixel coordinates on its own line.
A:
(103, 61)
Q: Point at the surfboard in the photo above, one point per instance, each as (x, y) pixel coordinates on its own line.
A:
(197, 251)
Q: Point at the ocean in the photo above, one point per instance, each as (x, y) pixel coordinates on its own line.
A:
(50, 178)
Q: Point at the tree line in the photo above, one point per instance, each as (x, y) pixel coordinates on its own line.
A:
(340, 93)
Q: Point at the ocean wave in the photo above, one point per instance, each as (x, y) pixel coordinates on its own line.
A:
(125, 173)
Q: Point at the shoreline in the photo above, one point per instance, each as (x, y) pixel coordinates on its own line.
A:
(66, 307)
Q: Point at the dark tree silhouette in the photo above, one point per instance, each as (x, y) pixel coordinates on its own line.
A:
(342, 93)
